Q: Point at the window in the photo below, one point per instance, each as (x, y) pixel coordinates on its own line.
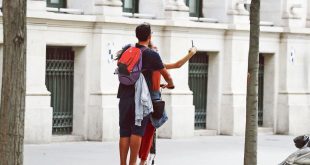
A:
(195, 8)
(131, 6)
(57, 3)
(247, 5)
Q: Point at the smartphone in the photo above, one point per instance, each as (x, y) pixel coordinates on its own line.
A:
(192, 43)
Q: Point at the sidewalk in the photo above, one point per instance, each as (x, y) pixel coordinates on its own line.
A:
(208, 150)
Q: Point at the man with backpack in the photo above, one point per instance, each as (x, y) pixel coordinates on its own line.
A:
(131, 133)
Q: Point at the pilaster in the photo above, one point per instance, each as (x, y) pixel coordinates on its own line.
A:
(179, 101)
(103, 103)
(233, 105)
(287, 13)
(176, 10)
(39, 113)
(293, 99)
(227, 11)
(36, 5)
(108, 7)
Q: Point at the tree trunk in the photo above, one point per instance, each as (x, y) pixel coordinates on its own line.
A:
(250, 151)
(12, 109)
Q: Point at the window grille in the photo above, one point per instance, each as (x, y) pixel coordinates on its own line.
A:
(195, 8)
(57, 3)
(131, 6)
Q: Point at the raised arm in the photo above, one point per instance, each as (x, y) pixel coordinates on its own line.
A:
(167, 78)
(183, 60)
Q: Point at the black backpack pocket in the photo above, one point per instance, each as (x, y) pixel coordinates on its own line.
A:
(159, 108)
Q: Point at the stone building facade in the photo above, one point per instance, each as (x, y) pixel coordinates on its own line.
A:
(71, 89)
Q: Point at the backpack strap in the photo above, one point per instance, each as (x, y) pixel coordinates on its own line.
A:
(143, 49)
(140, 60)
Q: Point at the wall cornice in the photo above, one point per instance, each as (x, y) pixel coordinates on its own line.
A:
(92, 21)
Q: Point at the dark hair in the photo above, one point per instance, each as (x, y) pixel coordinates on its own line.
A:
(150, 45)
(143, 31)
(301, 141)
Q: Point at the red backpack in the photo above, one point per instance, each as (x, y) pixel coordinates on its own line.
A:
(130, 65)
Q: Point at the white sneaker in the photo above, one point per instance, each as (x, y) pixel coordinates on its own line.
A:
(150, 159)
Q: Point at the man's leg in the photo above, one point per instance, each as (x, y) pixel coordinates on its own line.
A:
(135, 142)
(123, 149)
(126, 117)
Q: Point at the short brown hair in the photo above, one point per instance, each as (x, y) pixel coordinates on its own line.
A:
(143, 31)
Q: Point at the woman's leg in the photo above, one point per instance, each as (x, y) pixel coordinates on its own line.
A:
(146, 143)
(153, 147)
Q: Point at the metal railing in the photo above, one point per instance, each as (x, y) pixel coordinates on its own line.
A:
(198, 83)
(59, 81)
(260, 90)
(56, 3)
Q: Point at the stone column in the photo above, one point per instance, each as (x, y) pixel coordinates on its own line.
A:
(103, 103)
(308, 13)
(176, 9)
(181, 5)
(227, 11)
(156, 8)
(38, 113)
(176, 5)
(179, 101)
(233, 103)
(36, 5)
(171, 9)
(293, 97)
(170, 5)
(292, 13)
(108, 7)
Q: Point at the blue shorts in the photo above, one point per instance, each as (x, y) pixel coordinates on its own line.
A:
(127, 118)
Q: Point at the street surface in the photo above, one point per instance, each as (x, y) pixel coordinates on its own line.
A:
(203, 150)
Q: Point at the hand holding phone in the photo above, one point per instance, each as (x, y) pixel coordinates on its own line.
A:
(192, 50)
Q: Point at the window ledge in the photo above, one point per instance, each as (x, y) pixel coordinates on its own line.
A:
(65, 10)
(265, 23)
(209, 20)
(139, 15)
